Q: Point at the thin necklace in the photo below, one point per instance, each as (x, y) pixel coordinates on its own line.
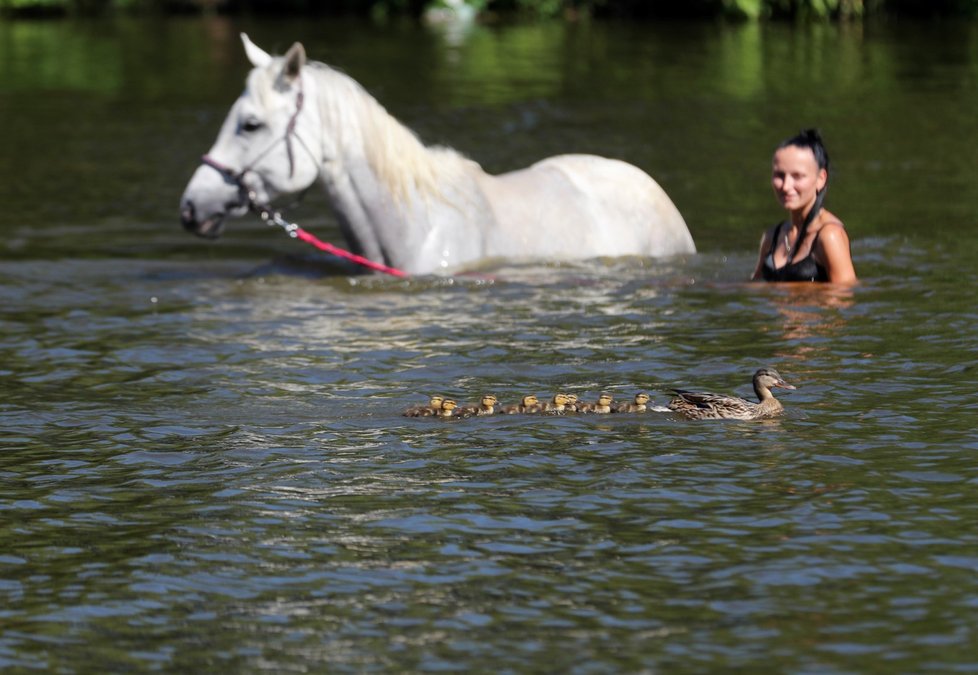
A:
(803, 230)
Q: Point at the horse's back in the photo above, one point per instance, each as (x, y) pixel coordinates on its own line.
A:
(622, 193)
(567, 205)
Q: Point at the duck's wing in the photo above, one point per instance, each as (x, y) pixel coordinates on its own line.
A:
(701, 403)
(700, 399)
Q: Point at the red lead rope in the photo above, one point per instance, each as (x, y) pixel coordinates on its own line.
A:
(275, 218)
(358, 259)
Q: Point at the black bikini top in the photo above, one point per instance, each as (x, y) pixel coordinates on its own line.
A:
(806, 269)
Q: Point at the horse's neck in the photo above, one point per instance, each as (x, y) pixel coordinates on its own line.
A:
(391, 193)
(376, 223)
(352, 189)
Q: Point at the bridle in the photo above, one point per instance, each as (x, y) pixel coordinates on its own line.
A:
(272, 217)
(238, 177)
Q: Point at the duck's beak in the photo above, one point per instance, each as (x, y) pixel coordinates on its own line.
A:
(784, 385)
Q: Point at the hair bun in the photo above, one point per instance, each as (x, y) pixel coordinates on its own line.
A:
(812, 136)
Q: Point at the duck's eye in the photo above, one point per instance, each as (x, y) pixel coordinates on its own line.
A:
(251, 124)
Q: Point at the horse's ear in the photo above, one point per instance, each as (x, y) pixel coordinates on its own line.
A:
(295, 58)
(258, 56)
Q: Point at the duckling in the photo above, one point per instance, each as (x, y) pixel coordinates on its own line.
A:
(704, 406)
(526, 404)
(601, 406)
(555, 405)
(486, 407)
(638, 404)
(447, 409)
(571, 404)
(434, 405)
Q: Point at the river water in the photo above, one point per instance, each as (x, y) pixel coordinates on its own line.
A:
(202, 462)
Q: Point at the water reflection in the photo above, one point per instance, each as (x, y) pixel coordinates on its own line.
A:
(454, 23)
(807, 311)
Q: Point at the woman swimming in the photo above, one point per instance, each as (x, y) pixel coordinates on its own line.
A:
(812, 245)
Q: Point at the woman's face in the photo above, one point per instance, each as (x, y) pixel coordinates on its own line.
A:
(796, 178)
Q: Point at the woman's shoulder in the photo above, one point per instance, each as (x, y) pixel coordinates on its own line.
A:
(827, 219)
(831, 243)
(830, 226)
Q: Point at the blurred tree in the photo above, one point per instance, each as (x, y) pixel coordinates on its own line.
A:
(745, 9)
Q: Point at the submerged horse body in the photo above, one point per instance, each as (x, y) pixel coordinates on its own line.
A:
(421, 209)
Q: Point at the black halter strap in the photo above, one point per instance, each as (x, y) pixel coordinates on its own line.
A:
(237, 177)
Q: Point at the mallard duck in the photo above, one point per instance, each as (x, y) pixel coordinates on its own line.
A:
(526, 404)
(447, 408)
(638, 404)
(486, 407)
(601, 406)
(434, 405)
(706, 406)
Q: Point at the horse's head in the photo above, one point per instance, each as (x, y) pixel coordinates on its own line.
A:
(269, 145)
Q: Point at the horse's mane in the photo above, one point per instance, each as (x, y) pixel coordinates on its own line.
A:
(395, 154)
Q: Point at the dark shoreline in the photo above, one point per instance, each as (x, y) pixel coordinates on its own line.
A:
(491, 10)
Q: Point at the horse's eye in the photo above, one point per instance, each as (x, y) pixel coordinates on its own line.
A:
(251, 124)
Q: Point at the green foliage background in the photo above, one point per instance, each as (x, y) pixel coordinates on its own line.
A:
(745, 9)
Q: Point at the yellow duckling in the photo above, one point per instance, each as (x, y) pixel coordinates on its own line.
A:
(526, 404)
(487, 406)
(638, 404)
(704, 406)
(447, 408)
(601, 406)
(557, 404)
(434, 405)
(571, 404)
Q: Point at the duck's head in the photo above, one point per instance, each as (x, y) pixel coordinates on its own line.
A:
(435, 401)
(571, 399)
(448, 404)
(642, 399)
(769, 378)
(561, 399)
(605, 399)
(489, 400)
(530, 400)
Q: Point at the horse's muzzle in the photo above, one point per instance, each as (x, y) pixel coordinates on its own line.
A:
(209, 228)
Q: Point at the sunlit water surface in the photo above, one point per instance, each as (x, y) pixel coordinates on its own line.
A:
(203, 462)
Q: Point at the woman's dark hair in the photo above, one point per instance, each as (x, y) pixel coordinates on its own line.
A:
(811, 139)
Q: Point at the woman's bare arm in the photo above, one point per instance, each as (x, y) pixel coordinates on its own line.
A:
(836, 258)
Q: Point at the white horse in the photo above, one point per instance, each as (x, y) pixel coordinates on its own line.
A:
(420, 209)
